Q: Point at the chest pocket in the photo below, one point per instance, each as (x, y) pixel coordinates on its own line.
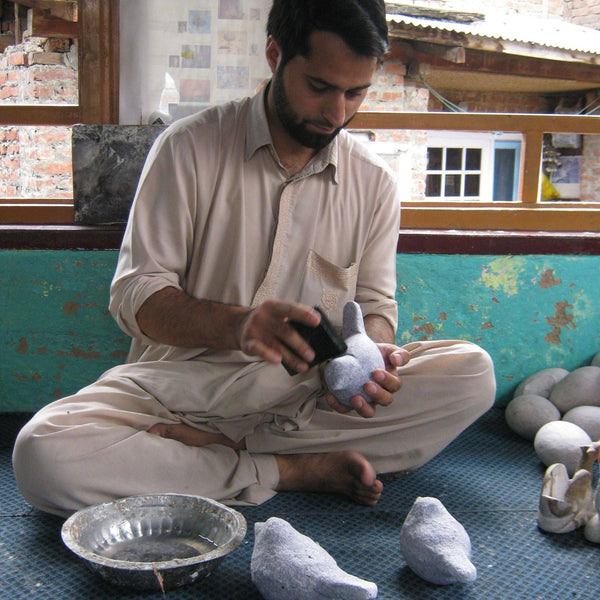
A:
(330, 284)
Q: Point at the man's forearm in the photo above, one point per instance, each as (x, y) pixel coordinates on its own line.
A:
(172, 317)
(379, 329)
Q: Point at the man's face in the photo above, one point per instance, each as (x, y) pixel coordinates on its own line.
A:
(315, 96)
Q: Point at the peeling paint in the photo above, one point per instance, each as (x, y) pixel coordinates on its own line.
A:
(560, 320)
(503, 274)
(547, 279)
(80, 353)
(23, 347)
(487, 325)
(71, 307)
(426, 328)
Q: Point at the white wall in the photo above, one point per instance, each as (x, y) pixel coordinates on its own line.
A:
(209, 51)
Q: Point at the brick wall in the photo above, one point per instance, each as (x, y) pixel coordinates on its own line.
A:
(585, 12)
(35, 162)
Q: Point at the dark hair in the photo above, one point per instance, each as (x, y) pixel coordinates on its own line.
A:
(360, 23)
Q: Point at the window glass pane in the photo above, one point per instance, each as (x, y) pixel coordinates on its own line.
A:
(504, 174)
(433, 185)
(473, 162)
(471, 185)
(452, 187)
(434, 159)
(454, 159)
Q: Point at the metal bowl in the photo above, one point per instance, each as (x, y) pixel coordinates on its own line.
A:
(154, 542)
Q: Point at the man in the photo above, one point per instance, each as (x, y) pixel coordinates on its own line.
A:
(246, 216)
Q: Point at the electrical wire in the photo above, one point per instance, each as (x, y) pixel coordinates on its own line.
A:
(447, 103)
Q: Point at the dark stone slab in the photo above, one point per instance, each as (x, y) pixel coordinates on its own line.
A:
(107, 162)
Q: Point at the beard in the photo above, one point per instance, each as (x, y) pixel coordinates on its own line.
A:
(296, 127)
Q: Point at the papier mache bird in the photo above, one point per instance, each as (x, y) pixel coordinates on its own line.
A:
(346, 375)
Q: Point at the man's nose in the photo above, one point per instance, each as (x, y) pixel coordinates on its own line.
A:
(335, 110)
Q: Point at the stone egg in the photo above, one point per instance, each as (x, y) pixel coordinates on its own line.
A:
(526, 414)
(592, 530)
(541, 383)
(580, 387)
(560, 442)
(586, 417)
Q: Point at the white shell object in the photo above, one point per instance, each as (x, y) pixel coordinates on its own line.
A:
(586, 417)
(526, 414)
(565, 504)
(580, 387)
(592, 530)
(541, 383)
(561, 442)
(435, 545)
(288, 565)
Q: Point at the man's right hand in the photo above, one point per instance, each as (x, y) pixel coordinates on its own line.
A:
(266, 332)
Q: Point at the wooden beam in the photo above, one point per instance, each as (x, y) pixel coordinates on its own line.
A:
(516, 122)
(41, 23)
(39, 114)
(36, 213)
(514, 218)
(451, 54)
(99, 61)
(478, 61)
(63, 9)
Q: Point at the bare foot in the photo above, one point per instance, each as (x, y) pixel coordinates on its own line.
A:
(193, 437)
(347, 472)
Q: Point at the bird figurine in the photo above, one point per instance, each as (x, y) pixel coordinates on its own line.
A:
(435, 545)
(287, 564)
(347, 374)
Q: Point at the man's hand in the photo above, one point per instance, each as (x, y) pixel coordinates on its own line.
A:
(382, 386)
(266, 332)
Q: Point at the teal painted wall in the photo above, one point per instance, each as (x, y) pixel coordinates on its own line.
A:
(57, 333)
(529, 312)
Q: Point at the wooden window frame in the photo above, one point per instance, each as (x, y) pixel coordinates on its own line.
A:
(98, 75)
(528, 214)
(98, 39)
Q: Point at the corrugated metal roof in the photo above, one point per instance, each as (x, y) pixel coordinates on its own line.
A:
(542, 32)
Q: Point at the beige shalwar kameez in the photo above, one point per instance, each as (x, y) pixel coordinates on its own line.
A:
(216, 215)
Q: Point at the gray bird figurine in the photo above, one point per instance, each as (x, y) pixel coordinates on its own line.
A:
(347, 374)
(435, 545)
(288, 565)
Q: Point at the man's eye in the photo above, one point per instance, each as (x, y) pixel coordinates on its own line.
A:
(318, 88)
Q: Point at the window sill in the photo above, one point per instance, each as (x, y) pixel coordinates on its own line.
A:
(411, 241)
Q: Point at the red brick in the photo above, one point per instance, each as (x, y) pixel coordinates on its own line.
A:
(54, 168)
(45, 73)
(18, 59)
(8, 92)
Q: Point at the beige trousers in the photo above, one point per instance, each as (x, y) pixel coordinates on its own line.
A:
(93, 446)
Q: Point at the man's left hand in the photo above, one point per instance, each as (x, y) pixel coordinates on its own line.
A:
(382, 386)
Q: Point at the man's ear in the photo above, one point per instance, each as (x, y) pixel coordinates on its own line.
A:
(273, 53)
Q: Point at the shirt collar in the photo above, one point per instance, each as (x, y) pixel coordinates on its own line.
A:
(258, 135)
